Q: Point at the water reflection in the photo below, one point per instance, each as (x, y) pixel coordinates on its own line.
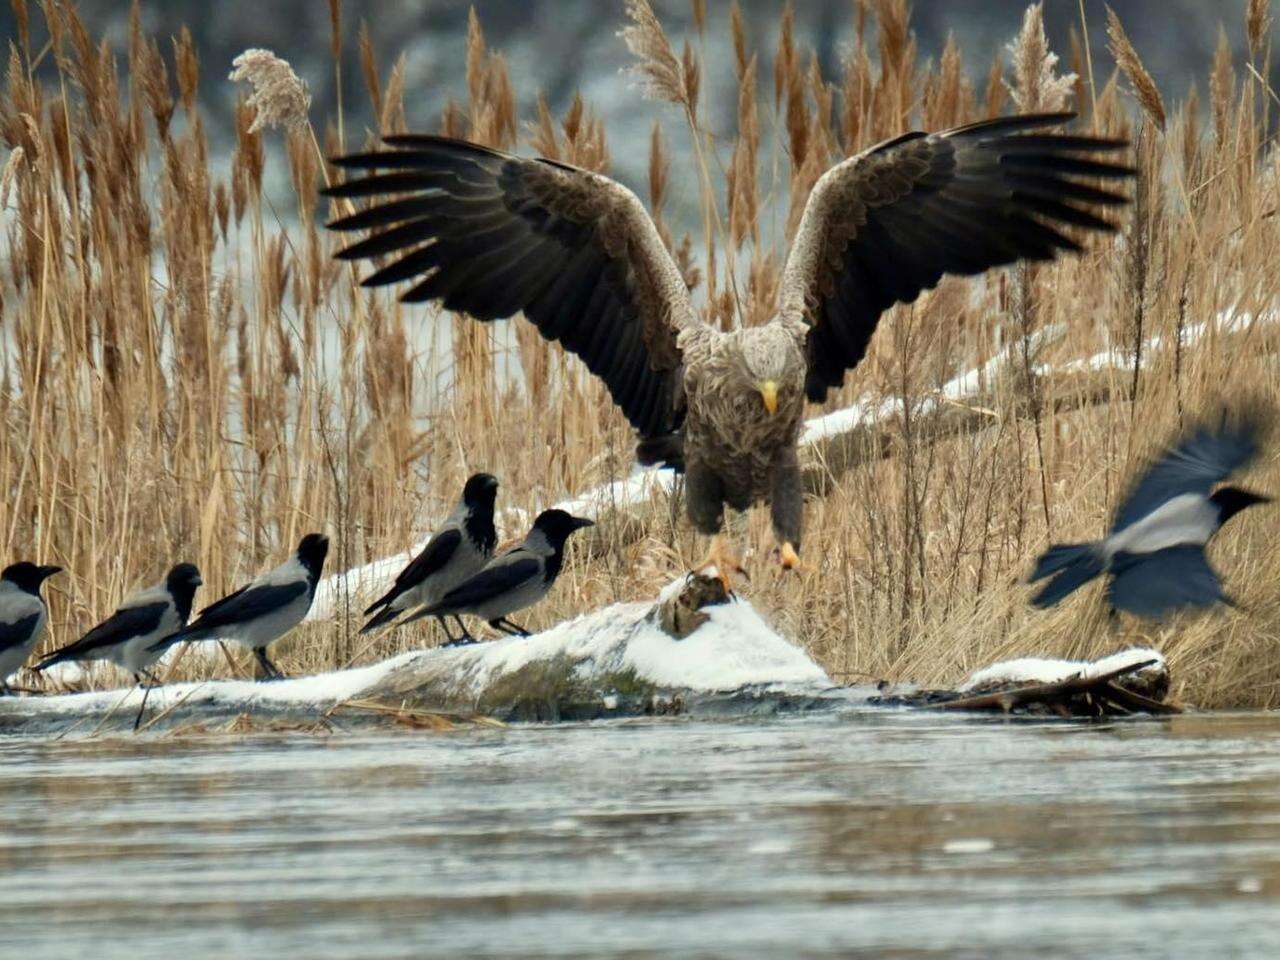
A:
(890, 834)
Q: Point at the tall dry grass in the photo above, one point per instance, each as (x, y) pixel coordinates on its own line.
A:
(187, 374)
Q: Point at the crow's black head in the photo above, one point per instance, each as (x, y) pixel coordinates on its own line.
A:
(481, 490)
(1231, 500)
(556, 525)
(312, 550)
(182, 582)
(28, 576)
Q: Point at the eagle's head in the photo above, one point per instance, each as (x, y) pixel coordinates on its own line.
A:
(773, 365)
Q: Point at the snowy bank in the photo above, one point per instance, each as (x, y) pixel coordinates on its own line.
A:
(1040, 670)
(616, 661)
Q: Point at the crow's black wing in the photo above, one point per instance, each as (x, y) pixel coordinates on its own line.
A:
(123, 625)
(1157, 583)
(248, 603)
(432, 558)
(18, 631)
(492, 581)
(213, 608)
(1204, 458)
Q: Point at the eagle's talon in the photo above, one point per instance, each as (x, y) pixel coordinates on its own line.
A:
(787, 557)
(721, 563)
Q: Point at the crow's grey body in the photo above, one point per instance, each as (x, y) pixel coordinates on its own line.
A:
(458, 550)
(23, 615)
(1154, 553)
(126, 637)
(264, 610)
(515, 580)
(22, 620)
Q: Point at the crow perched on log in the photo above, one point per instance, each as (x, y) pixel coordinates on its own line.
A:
(463, 544)
(512, 581)
(262, 611)
(493, 235)
(23, 615)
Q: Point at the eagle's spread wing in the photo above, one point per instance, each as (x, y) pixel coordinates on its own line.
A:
(492, 235)
(882, 226)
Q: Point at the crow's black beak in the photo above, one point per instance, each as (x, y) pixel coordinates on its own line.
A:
(580, 522)
(47, 572)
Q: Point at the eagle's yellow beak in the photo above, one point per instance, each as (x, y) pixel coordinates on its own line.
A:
(769, 394)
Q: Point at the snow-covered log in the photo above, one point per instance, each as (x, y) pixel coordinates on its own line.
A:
(622, 660)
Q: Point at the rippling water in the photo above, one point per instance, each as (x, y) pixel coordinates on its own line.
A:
(889, 834)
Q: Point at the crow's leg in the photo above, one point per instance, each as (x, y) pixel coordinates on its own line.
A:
(146, 692)
(444, 625)
(272, 673)
(509, 628)
(465, 639)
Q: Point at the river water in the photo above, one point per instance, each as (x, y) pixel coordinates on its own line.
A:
(885, 834)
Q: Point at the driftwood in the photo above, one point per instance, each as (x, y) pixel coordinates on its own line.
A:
(1107, 694)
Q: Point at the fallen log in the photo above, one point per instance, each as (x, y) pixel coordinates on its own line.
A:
(1132, 682)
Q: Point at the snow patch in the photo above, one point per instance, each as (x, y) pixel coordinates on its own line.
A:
(319, 689)
(1043, 670)
(733, 650)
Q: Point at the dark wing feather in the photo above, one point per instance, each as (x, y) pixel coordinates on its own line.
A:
(885, 225)
(493, 235)
(17, 632)
(492, 581)
(1158, 583)
(246, 603)
(1204, 458)
(432, 558)
(121, 626)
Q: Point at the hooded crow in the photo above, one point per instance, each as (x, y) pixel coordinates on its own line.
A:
(513, 581)
(460, 548)
(125, 637)
(1155, 551)
(264, 610)
(22, 615)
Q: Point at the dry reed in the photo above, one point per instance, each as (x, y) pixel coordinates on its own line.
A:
(184, 375)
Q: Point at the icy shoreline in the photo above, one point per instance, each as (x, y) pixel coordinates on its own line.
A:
(614, 659)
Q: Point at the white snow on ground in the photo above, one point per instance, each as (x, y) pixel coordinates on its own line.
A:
(1042, 670)
(322, 688)
(734, 649)
(645, 483)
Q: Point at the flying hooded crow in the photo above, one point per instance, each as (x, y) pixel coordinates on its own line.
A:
(22, 615)
(1155, 551)
(513, 581)
(125, 637)
(459, 549)
(263, 611)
